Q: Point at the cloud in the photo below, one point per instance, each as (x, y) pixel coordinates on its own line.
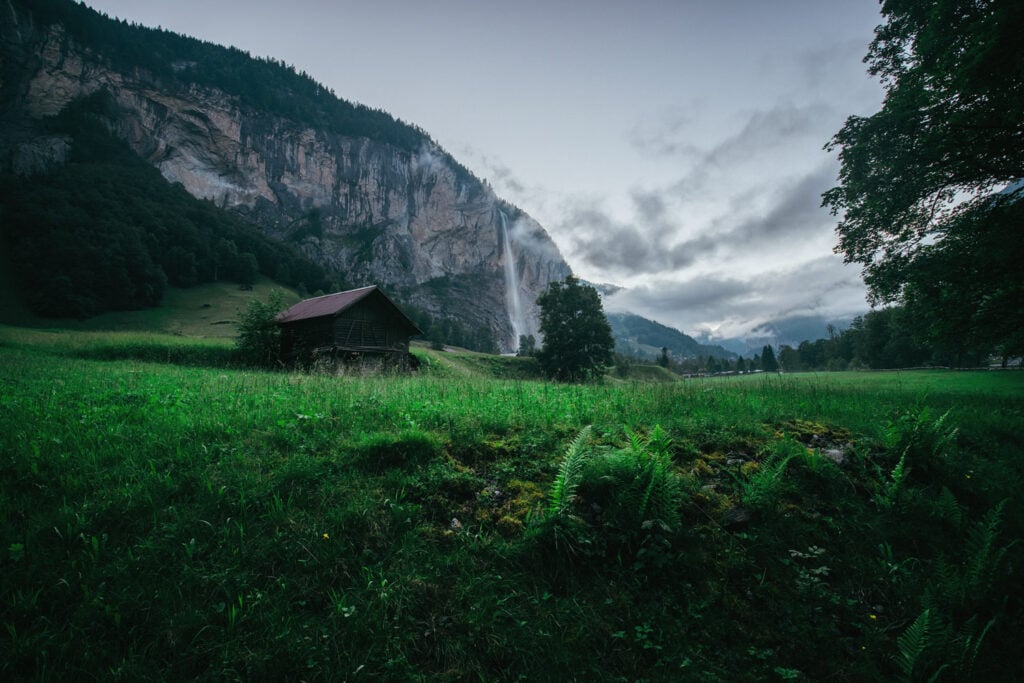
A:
(502, 178)
(429, 159)
(824, 69)
(650, 207)
(613, 246)
(795, 210)
(656, 241)
(696, 296)
(667, 137)
(529, 236)
(782, 132)
(769, 129)
(734, 305)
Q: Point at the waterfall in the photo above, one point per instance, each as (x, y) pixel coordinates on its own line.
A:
(512, 300)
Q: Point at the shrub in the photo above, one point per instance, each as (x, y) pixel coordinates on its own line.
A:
(259, 337)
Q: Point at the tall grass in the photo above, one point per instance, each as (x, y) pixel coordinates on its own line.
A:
(187, 521)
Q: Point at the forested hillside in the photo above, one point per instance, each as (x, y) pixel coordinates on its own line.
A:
(107, 232)
(637, 336)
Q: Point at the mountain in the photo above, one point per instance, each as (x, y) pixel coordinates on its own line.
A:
(352, 189)
(789, 331)
(643, 338)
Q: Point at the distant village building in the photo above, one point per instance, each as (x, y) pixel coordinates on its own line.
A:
(353, 326)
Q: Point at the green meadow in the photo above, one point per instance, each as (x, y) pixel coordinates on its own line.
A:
(169, 515)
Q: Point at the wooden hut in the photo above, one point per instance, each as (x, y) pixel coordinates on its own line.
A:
(357, 325)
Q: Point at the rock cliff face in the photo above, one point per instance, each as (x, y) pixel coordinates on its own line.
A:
(415, 223)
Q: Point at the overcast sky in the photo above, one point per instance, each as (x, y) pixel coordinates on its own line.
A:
(670, 147)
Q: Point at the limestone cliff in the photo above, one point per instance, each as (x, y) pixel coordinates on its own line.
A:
(411, 220)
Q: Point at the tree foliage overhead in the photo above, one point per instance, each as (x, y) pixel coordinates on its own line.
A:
(922, 180)
(578, 341)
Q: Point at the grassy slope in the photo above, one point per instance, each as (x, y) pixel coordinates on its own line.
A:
(203, 311)
(211, 311)
(213, 523)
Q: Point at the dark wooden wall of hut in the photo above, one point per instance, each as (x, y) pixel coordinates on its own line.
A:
(370, 326)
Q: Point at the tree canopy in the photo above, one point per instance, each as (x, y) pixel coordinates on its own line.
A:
(929, 199)
(578, 341)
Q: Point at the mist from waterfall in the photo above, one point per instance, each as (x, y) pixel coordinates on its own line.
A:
(512, 299)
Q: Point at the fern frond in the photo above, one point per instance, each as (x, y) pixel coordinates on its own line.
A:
(563, 489)
(971, 643)
(637, 445)
(948, 509)
(943, 437)
(645, 498)
(659, 444)
(896, 478)
(912, 644)
(949, 588)
(636, 484)
(983, 557)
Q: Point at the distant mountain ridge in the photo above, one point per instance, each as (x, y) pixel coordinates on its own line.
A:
(643, 338)
(784, 331)
(353, 189)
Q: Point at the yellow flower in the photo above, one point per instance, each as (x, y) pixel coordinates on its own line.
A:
(872, 616)
(327, 536)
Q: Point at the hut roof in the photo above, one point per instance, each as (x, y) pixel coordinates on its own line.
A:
(333, 304)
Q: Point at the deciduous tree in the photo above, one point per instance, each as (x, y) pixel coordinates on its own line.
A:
(578, 341)
(929, 197)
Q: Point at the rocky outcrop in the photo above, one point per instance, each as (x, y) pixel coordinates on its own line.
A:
(411, 222)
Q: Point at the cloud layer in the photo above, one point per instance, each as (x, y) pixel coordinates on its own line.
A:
(734, 239)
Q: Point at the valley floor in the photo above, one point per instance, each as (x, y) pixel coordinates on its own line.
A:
(170, 517)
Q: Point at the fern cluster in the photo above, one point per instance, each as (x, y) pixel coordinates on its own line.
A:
(932, 647)
(618, 495)
(761, 490)
(924, 442)
(636, 487)
(948, 634)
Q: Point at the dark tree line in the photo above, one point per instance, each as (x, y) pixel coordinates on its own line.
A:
(885, 338)
(707, 364)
